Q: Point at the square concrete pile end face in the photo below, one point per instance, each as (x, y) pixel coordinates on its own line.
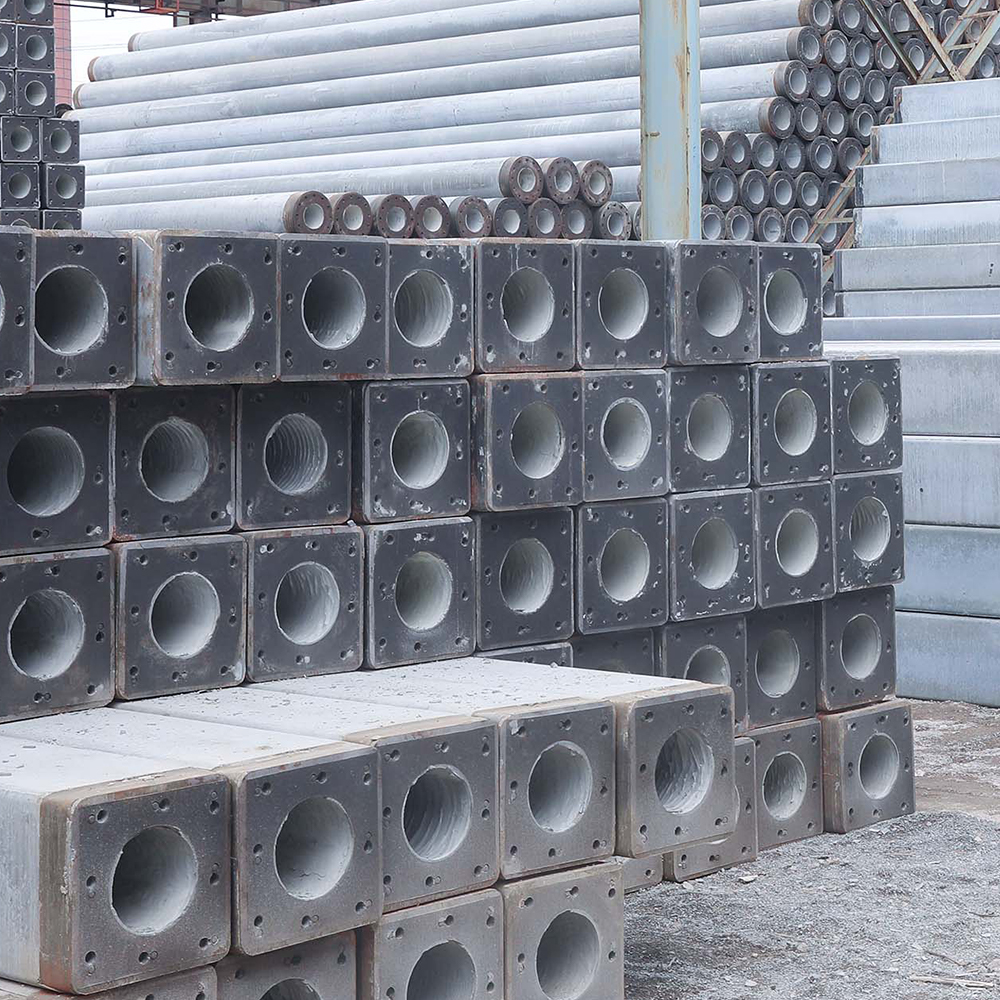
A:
(411, 451)
(451, 948)
(62, 186)
(60, 644)
(791, 439)
(710, 553)
(867, 766)
(430, 308)
(208, 308)
(527, 436)
(33, 11)
(556, 654)
(20, 138)
(713, 651)
(867, 420)
(621, 304)
(524, 576)
(856, 652)
(293, 448)
(57, 453)
(440, 806)
(304, 614)
(197, 984)
(421, 591)
(60, 140)
(791, 293)
(868, 518)
(334, 321)
(17, 276)
(564, 935)
(741, 845)
(623, 444)
(789, 793)
(793, 536)
(712, 292)
(316, 970)
(18, 181)
(131, 872)
(557, 779)
(175, 461)
(781, 665)
(621, 565)
(708, 427)
(525, 309)
(675, 768)
(641, 873)
(181, 619)
(620, 652)
(306, 851)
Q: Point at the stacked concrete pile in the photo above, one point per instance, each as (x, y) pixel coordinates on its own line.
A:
(41, 181)
(922, 285)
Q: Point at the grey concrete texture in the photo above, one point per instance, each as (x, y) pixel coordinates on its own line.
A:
(17, 282)
(60, 140)
(868, 518)
(62, 185)
(20, 138)
(790, 293)
(641, 873)
(197, 984)
(20, 185)
(59, 652)
(559, 654)
(867, 417)
(629, 652)
(326, 970)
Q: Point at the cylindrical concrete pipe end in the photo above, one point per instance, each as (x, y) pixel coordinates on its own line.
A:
(612, 222)
(577, 220)
(510, 217)
(596, 182)
(352, 214)
(392, 216)
(711, 150)
(544, 220)
(713, 222)
(471, 218)
(521, 177)
(308, 212)
(562, 179)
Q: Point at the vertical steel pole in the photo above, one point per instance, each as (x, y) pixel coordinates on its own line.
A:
(671, 119)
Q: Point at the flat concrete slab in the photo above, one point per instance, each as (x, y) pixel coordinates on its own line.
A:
(901, 909)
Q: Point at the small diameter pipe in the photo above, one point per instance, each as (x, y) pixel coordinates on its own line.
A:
(431, 218)
(713, 222)
(471, 218)
(797, 225)
(808, 192)
(612, 222)
(862, 53)
(876, 89)
(578, 220)
(393, 217)
(734, 83)
(750, 15)
(802, 43)
(773, 115)
(808, 120)
(849, 152)
(753, 187)
(850, 88)
(821, 156)
(824, 85)
(763, 153)
(352, 214)
(561, 179)
(849, 17)
(736, 151)
(544, 220)
(781, 191)
(596, 182)
(738, 224)
(833, 120)
(860, 123)
(792, 156)
(304, 212)
(712, 152)
(769, 226)
(723, 188)
(635, 214)
(836, 54)
(510, 217)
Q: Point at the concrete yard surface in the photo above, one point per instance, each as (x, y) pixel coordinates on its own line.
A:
(905, 910)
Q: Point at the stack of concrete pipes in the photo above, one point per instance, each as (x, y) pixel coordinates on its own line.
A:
(41, 180)
(429, 98)
(250, 465)
(922, 283)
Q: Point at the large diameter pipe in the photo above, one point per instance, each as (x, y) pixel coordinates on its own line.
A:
(613, 148)
(437, 24)
(432, 112)
(307, 212)
(751, 15)
(801, 43)
(927, 225)
(734, 83)
(773, 115)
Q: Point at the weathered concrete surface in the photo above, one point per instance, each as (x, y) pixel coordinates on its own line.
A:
(854, 916)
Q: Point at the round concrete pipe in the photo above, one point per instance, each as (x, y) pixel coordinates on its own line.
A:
(769, 226)
(849, 16)
(738, 224)
(861, 52)
(836, 54)
(860, 123)
(544, 220)
(763, 153)
(352, 214)
(174, 460)
(577, 221)
(753, 187)
(824, 85)
(635, 214)
(736, 151)
(612, 222)
(781, 191)
(596, 179)
(623, 566)
(850, 88)
(798, 222)
(71, 310)
(885, 58)
(510, 217)
(519, 177)
(821, 156)
(431, 218)
(788, 79)
(808, 121)
(711, 150)
(561, 179)
(751, 16)
(808, 191)
(802, 43)
(834, 121)
(626, 433)
(712, 222)
(723, 188)
(773, 115)
(792, 156)
(470, 218)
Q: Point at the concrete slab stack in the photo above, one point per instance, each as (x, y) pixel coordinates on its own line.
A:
(920, 285)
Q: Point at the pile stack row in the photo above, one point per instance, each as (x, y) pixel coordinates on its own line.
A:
(41, 181)
(922, 284)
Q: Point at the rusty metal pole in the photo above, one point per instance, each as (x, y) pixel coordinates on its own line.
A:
(670, 106)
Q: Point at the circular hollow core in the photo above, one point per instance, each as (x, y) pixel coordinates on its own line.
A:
(626, 433)
(353, 218)
(444, 972)
(437, 813)
(785, 302)
(771, 229)
(719, 302)
(710, 148)
(423, 308)
(71, 310)
(537, 440)
(709, 665)
(777, 663)
(154, 880)
(723, 186)
(313, 848)
(810, 48)
(623, 567)
(527, 576)
(781, 118)
(174, 460)
(66, 186)
(784, 193)
(291, 989)
(568, 955)
(60, 140)
(313, 217)
(870, 529)
(509, 221)
(623, 303)
(740, 226)
(597, 183)
(295, 454)
(809, 119)
(396, 218)
(218, 307)
(860, 646)
(851, 82)
(614, 222)
(864, 122)
(46, 634)
(711, 226)
(796, 543)
(867, 414)
(474, 219)
(563, 180)
(876, 89)
(528, 304)
(424, 589)
(420, 449)
(526, 179)
(685, 768)
(797, 81)
(709, 427)
(307, 603)
(334, 308)
(714, 554)
(45, 471)
(432, 219)
(184, 615)
(559, 787)
(756, 190)
(784, 785)
(545, 222)
(835, 120)
(36, 93)
(878, 767)
(575, 220)
(20, 138)
(795, 422)
(798, 228)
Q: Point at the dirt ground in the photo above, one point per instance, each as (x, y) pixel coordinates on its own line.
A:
(905, 910)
